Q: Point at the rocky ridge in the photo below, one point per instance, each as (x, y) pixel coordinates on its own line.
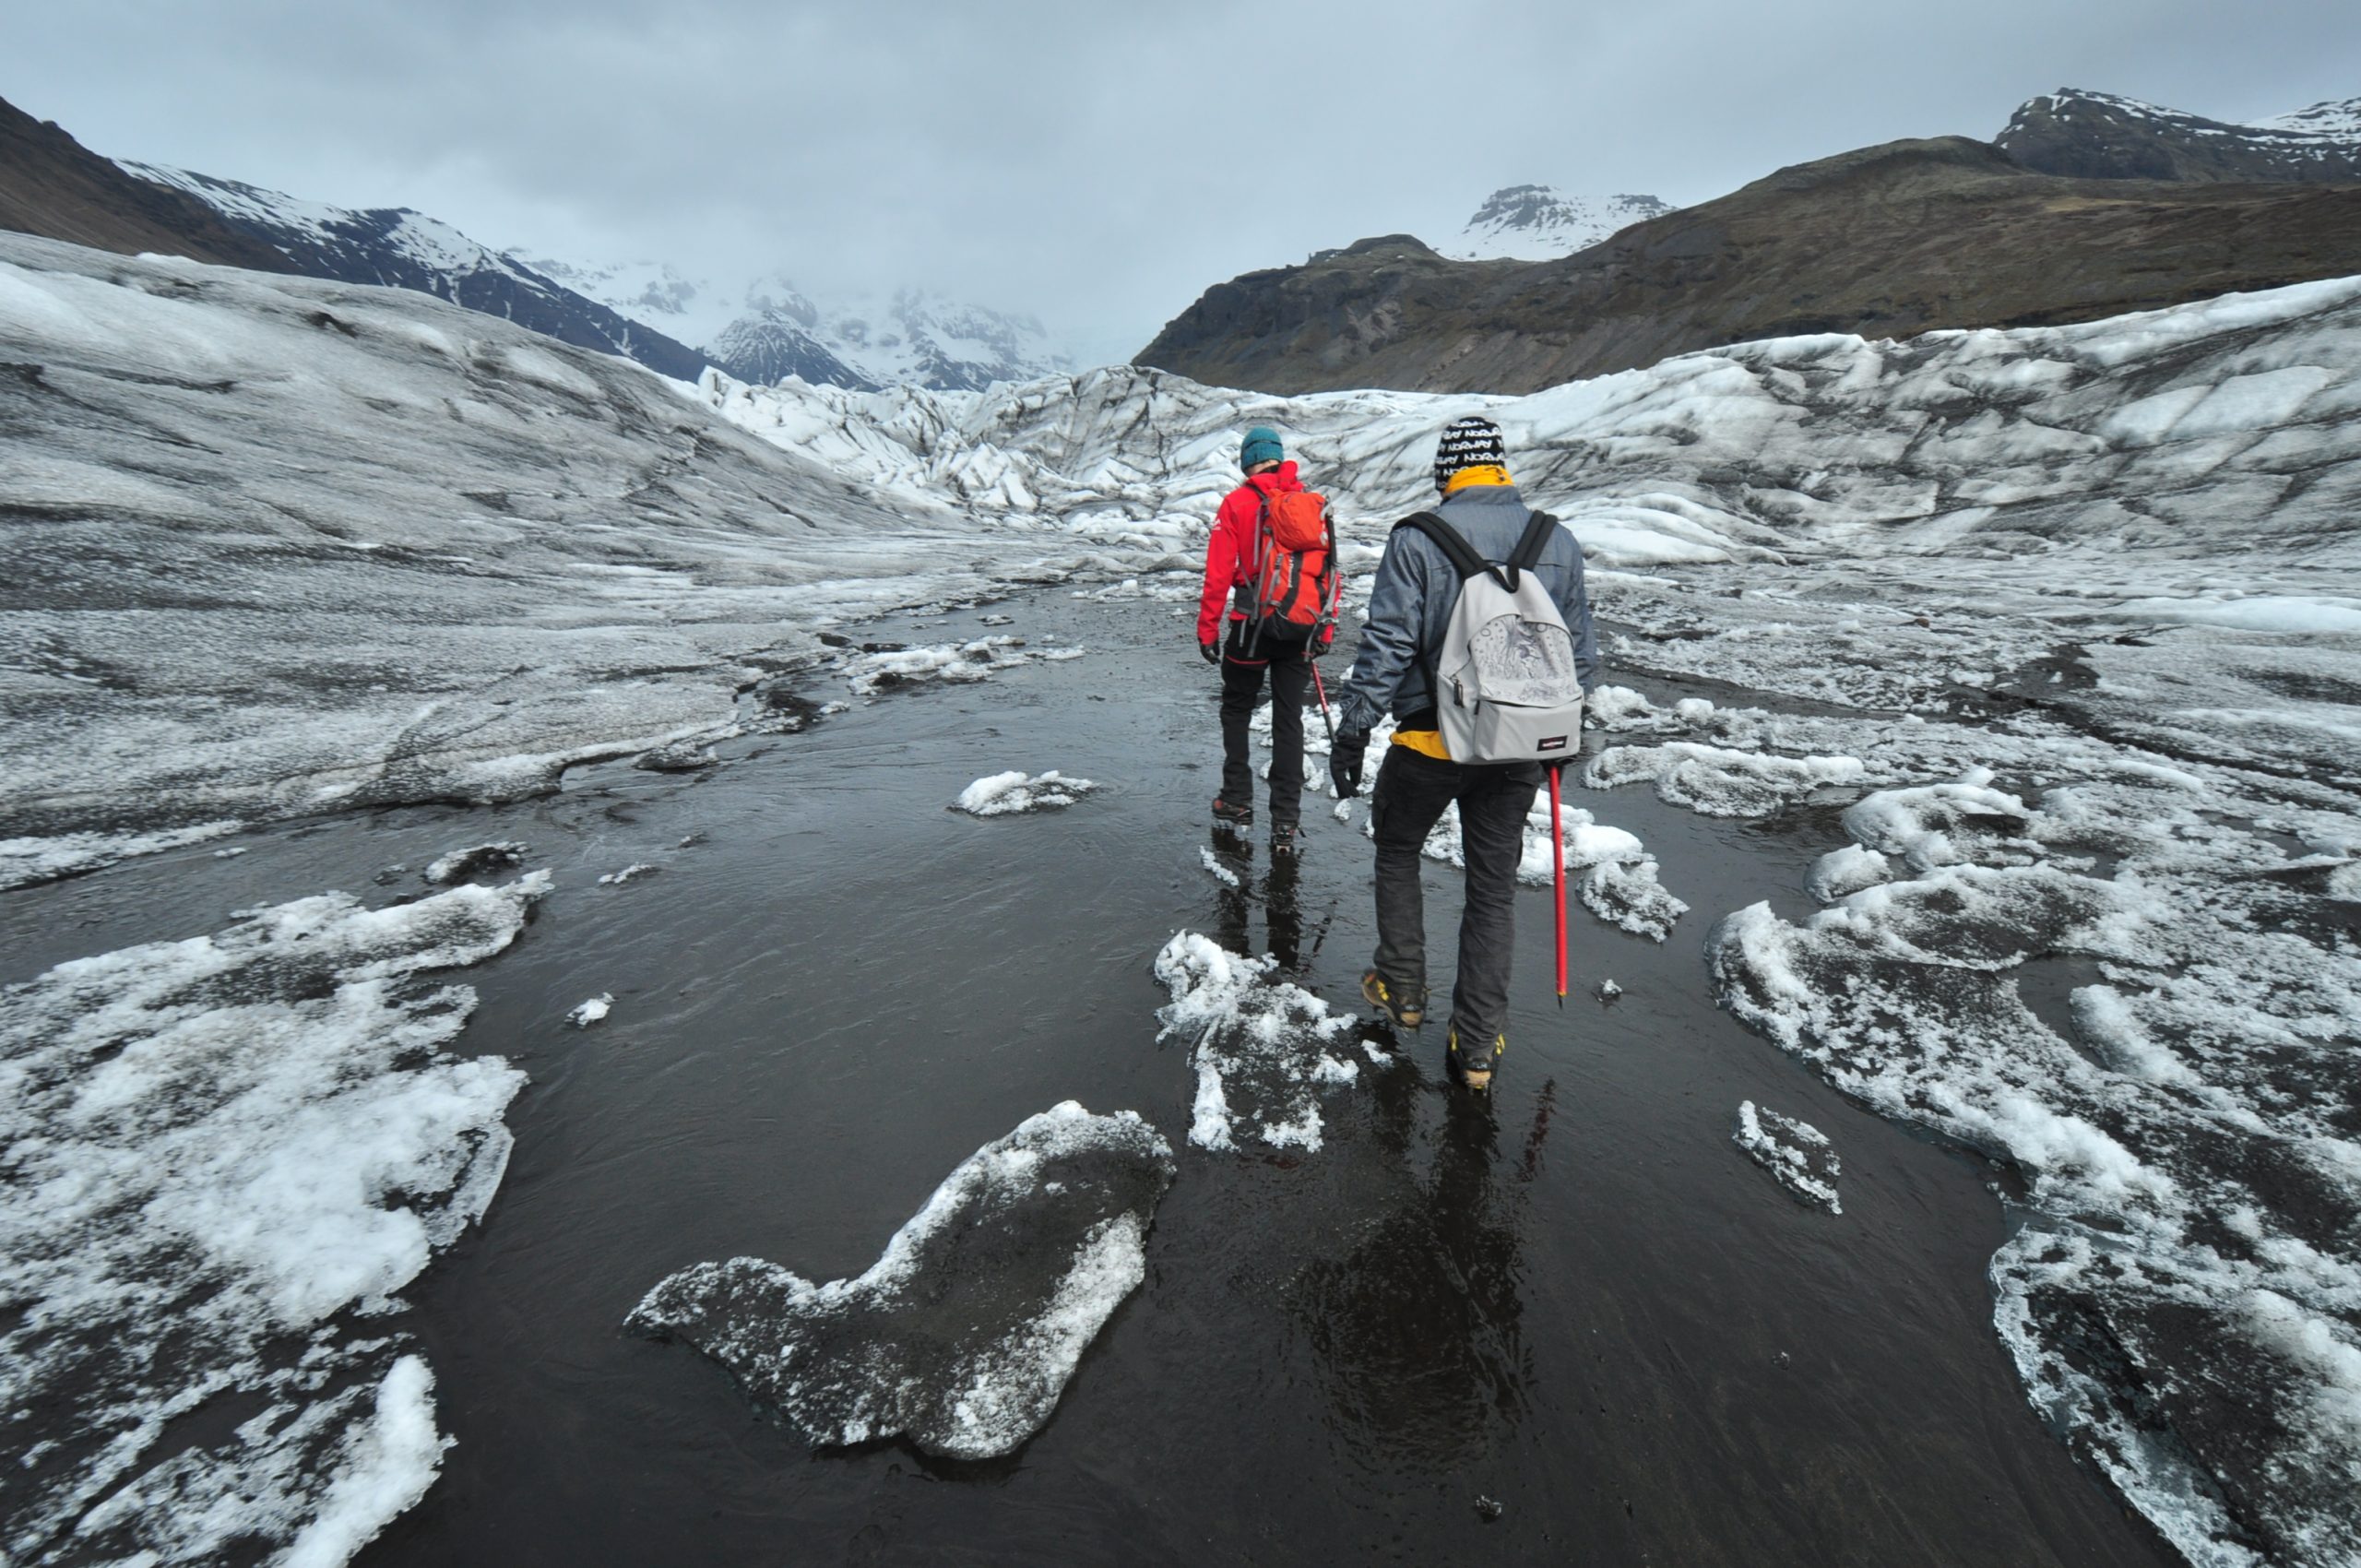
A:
(400, 248)
(54, 186)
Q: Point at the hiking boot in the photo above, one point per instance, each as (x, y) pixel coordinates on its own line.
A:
(1234, 816)
(1406, 1007)
(1474, 1063)
(1286, 840)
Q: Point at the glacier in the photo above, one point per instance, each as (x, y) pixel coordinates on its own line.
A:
(2048, 636)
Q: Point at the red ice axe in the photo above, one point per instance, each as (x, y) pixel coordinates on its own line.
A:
(1322, 687)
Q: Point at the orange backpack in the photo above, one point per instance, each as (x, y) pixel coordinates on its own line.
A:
(1297, 586)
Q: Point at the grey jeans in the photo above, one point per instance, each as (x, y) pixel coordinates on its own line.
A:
(1412, 790)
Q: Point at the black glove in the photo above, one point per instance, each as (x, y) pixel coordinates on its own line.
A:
(1345, 756)
(1209, 652)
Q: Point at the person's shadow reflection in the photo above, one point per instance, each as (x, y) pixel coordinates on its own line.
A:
(1282, 904)
(1418, 1331)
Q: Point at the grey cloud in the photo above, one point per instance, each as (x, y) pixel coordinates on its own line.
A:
(1097, 165)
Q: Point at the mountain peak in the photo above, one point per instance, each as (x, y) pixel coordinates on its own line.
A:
(1541, 222)
(2104, 135)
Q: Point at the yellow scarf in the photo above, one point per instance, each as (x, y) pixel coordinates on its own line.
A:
(1478, 473)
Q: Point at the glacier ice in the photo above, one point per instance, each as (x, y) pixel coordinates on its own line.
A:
(226, 1157)
(301, 546)
(965, 1333)
(2180, 1291)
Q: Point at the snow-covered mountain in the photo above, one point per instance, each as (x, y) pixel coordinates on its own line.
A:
(1540, 223)
(400, 248)
(766, 328)
(2104, 135)
(2338, 119)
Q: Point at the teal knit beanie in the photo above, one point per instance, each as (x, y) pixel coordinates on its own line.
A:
(1262, 446)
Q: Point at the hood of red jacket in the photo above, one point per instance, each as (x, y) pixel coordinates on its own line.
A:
(1277, 481)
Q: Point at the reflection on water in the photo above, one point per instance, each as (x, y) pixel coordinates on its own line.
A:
(1418, 1330)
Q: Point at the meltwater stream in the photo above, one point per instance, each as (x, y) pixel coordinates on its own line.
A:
(1570, 1323)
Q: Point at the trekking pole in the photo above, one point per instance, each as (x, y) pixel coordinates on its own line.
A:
(1322, 687)
(1558, 858)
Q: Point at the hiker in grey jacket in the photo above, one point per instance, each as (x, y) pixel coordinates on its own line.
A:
(1409, 606)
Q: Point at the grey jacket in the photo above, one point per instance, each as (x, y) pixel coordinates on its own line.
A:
(1417, 587)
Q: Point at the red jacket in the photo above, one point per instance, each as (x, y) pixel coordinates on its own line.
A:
(1229, 555)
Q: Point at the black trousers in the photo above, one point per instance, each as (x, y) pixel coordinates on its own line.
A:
(1242, 673)
(1412, 790)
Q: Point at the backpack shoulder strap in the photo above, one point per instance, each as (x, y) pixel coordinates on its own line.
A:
(1463, 556)
(1464, 559)
(1537, 529)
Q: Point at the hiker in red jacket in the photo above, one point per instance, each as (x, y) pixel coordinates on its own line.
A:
(1230, 565)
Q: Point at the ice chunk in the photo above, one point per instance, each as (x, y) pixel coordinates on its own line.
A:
(1627, 894)
(476, 861)
(26, 861)
(585, 1013)
(963, 1334)
(2180, 1123)
(955, 663)
(1941, 825)
(1220, 873)
(679, 756)
(1844, 871)
(1259, 1047)
(617, 878)
(1797, 1154)
(1720, 782)
(224, 1152)
(1005, 794)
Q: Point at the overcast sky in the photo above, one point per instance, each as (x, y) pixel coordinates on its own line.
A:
(1099, 164)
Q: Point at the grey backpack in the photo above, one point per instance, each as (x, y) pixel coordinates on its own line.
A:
(1505, 684)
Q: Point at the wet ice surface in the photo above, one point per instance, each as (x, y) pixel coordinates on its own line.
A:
(963, 1335)
(224, 1157)
(1449, 1301)
(1263, 1051)
(1798, 1155)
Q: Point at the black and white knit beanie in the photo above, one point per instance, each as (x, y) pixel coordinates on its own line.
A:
(1466, 443)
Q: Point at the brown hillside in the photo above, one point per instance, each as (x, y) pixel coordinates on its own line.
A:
(1887, 241)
